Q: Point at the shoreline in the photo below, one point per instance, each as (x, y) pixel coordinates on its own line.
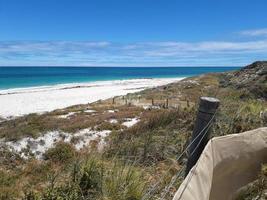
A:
(21, 101)
(77, 84)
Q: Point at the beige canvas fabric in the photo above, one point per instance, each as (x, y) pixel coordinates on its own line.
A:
(226, 164)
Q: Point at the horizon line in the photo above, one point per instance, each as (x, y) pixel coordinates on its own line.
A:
(118, 66)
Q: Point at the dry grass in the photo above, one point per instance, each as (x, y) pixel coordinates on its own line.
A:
(33, 125)
(152, 144)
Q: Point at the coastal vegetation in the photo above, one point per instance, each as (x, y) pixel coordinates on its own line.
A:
(148, 130)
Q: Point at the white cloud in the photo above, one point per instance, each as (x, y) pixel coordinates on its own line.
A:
(166, 53)
(51, 46)
(255, 32)
(208, 47)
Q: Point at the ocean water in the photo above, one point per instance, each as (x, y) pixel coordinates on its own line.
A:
(22, 77)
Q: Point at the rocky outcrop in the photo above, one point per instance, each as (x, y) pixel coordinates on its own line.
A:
(252, 78)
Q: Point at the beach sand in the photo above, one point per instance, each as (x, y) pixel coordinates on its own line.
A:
(21, 101)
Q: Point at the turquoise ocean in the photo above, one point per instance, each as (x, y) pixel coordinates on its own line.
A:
(23, 77)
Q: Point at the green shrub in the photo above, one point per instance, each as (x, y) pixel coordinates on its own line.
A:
(62, 152)
(66, 192)
(91, 178)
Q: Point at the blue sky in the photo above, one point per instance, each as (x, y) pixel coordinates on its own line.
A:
(132, 32)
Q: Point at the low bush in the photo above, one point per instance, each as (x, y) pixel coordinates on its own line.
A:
(62, 153)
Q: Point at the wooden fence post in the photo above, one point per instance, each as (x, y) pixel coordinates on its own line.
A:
(187, 103)
(167, 103)
(205, 116)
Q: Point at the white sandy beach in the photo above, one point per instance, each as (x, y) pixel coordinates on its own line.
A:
(21, 101)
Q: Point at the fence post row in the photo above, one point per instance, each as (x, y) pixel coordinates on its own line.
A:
(206, 111)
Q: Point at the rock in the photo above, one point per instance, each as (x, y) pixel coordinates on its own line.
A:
(252, 78)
